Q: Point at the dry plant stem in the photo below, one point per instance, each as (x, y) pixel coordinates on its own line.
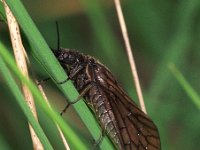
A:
(20, 56)
(60, 131)
(130, 55)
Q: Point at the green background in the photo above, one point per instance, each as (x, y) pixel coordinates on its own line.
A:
(161, 32)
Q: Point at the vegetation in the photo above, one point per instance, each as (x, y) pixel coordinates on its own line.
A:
(161, 33)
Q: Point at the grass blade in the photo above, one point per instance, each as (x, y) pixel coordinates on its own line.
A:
(20, 99)
(71, 136)
(45, 57)
(194, 96)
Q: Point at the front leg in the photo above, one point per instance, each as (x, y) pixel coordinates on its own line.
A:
(85, 90)
(72, 73)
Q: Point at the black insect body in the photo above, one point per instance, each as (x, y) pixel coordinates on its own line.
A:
(121, 119)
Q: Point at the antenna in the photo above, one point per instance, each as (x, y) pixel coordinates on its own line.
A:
(58, 36)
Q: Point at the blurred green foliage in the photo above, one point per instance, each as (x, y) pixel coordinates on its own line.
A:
(161, 32)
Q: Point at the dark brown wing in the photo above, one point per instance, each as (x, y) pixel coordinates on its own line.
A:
(137, 130)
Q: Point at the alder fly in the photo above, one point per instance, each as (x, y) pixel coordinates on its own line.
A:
(128, 127)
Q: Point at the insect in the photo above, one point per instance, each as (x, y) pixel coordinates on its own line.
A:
(127, 126)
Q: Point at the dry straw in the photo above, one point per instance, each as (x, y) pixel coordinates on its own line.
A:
(130, 54)
(60, 132)
(21, 60)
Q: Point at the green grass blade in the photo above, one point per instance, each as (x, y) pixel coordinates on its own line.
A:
(71, 136)
(176, 49)
(2, 12)
(194, 96)
(45, 57)
(20, 99)
(3, 144)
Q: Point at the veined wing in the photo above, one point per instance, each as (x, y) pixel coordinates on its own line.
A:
(137, 130)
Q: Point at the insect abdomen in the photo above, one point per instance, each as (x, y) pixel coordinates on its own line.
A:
(105, 115)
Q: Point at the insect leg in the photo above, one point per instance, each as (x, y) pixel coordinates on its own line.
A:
(40, 82)
(44, 80)
(72, 74)
(61, 82)
(77, 99)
